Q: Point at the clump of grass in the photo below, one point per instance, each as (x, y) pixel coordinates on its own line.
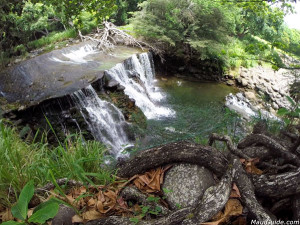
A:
(52, 38)
(21, 162)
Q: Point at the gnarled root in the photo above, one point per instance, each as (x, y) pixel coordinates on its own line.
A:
(284, 188)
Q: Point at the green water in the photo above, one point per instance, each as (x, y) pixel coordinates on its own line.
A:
(199, 111)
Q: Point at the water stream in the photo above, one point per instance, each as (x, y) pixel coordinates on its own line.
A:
(199, 111)
(105, 120)
(138, 77)
(176, 109)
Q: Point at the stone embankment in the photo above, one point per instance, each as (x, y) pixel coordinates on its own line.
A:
(263, 89)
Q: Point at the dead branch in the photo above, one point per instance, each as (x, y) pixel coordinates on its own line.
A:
(110, 35)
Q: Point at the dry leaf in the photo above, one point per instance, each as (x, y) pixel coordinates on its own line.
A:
(122, 203)
(77, 219)
(106, 201)
(151, 181)
(235, 192)
(30, 212)
(91, 215)
(91, 202)
(6, 215)
(233, 208)
(250, 166)
(240, 221)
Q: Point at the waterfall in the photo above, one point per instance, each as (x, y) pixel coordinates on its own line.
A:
(138, 77)
(105, 121)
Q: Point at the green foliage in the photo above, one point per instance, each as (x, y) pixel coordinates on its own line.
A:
(21, 162)
(124, 11)
(290, 116)
(20, 209)
(41, 214)
(101, 9)
(188, 29)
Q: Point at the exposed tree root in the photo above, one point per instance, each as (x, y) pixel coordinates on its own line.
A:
(296, 207)
(133, 194)
(59, 182)
(277, 149)
(281, 190)
(178, 152)
(277, 186)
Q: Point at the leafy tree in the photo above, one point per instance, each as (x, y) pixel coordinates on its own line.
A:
(124, 11)
(185, 28)
(71, 9)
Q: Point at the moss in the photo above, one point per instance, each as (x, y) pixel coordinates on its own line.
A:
(131, 112)
(6, 107)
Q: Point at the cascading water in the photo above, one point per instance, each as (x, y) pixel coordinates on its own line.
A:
(105, 121)
(137, 76)
(78, 56)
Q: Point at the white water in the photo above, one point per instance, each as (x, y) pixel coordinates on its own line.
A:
(242, 106)
(105, 121)
(138, 77)
(77, 56)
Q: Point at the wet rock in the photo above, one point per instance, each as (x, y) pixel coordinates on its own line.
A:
(275, 106)
(230, 82)
(120, 88)
(64, 216)
(250, 95)
(185, 184)
(112, 84)
(18, 60)
(181, 69)
(276, 89)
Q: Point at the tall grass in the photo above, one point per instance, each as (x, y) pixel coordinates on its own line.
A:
(52, 38)
(74, 159)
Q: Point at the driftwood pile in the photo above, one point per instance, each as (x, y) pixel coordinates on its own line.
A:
(110, 35)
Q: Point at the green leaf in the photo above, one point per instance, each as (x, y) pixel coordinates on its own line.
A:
(145, 209)
(12, 223)
(283, 111)
(134, 220)
(50, 201)
(20, 209)
(291, 100)
(48, 211)
(153, 199)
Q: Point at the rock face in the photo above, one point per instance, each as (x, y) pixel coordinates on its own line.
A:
(240, 103)
(267, 82)
(185, 184)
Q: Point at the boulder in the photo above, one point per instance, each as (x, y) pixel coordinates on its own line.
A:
(185, 184)
(250, 96)
(112, 84)
(64, 216)
(244, 82)
(230, 82)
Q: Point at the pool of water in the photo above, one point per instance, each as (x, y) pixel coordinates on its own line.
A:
(199, 111)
